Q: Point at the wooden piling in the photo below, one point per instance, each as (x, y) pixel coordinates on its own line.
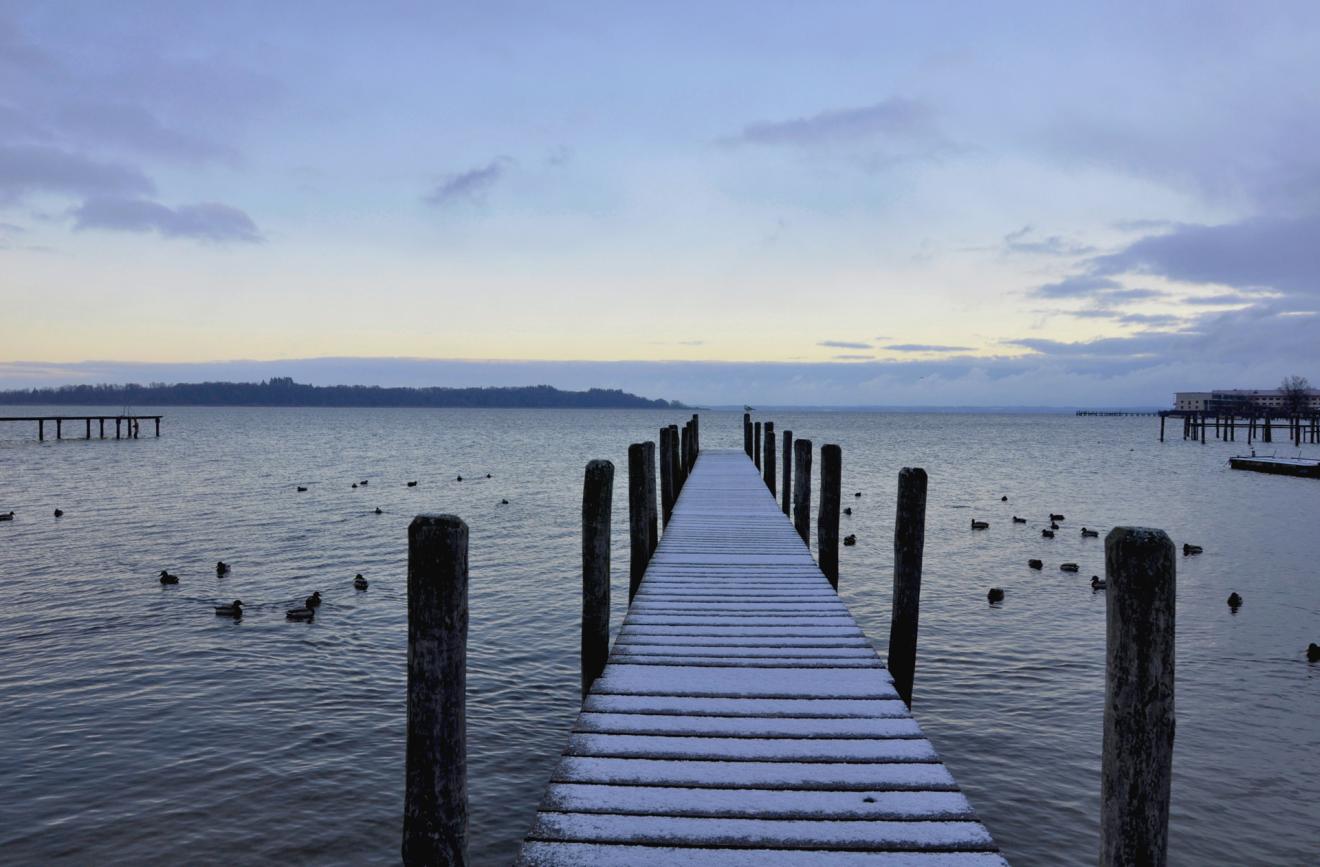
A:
(696, 439)
(41, 430)
(827, 513)
(641, 512)
(1140, 571)
(158, 427)
(89, 427)
(768, 457)
(597, 500)
(680, 472)
(117, 422)
(786, 495)
(909, 543)
(1161, 428)
(802, 489)
(59, 428)
(435, 811)
(666, 477)
(756, 445)
(747, 433)
(102, 421)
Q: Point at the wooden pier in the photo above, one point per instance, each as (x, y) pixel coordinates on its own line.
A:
(743, 717)
(1261, 425)
(126, 426)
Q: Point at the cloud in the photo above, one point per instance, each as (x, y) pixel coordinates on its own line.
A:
(843, 344)
(853, 357)
(925, 347)
(471, 185)
(1076, 286)
(1221, 299)
(207, 221)
(895, 117)
(135, 128)
(1022, 241)
(26, 169)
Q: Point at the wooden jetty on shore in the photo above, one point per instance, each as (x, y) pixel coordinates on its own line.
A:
(1259, 425)
(126, 426)
(742, 717)
(1308, 468)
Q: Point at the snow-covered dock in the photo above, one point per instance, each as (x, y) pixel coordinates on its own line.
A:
(743, 718)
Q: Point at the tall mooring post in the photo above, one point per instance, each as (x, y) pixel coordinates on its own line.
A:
(786, 483)
(756, 444)
(1137, 764)
(827, 514)
(435, 805)
(667, 495)
(768, 458)
(909, 543)
(597, 500)
(747, 433)
(675, 455)
(642, 534)
(802, 489)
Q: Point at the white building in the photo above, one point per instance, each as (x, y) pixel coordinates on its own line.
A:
(1225, 398)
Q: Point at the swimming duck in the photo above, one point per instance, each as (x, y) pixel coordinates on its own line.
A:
(459, 479)
(1089, 533)
(995, 595)
(167, 578)
(1035, 564)
(1048, 534)
(1054, 517)
(1053, 526)
(1313, 652)
(302, 615)
(301, 489)
(221, 568)
(412, 484)
(355, 486)
(1189, 550)
(378, 511)
(59, 513)
(850, 539)
(858, 494)
(313, 601)
(488, 475)
(359, 582)
(7, 516)
(363, 483)
(504, 502)
(1234, 601)
(980, 525)
(1097, 583)
(1017, 520)
(1068, 567)
(848, 510)
(1004, 499)
(235, 611)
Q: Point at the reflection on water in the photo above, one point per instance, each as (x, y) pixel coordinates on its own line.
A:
(138, 726)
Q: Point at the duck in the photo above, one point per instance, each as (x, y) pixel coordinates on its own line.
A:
(980, 525)
(1004, 499)
(1017, 520)
(1089, 534)
(458, 479)
(1054, 517)
(355, 486)
(235, 610)
(850, 539)
(221, 568)
(412, 484)
(1189, 550)
(359, 583)
(488, 475)
(59, 513)
(363, 483)
(1313, 652)
(1098, 583)
(1068, 567)
(378, 511)
(1234, 601)
(848, 510)
(167, 578)
(1053, 526)
(1047, 534)
(8, 516)
(301, 489)
(858, 494)
(1035, 564)
(313, 601)
(504, 502)
(302, 615)
(995, 595)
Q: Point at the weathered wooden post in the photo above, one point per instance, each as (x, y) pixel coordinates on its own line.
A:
(768, 460)
(1161, 427)
(1202, 428)
(747, 433)
(59, 428)
(1140, 572)
(117, 423)
(786, 495)
(756, 445)
(680, 472)
(89, 427)
(597, 500)
(666, 478)
(157, 427)
(435, 805)
(683, 436)
(802, 489)
(41, 430)
(102, 421)
(909, 542)
(641, 512)
(696, 438)
(827, 514)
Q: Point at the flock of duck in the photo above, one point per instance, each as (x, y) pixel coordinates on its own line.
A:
(306, 613)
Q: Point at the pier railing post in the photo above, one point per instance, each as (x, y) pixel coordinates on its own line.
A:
(666, 477)
(802, 489)
(756, 445)
(435, 808)
(827, 514)
(641, 512)
(909, 542)
(768, 460)
(597, 499)
(786, 483)
(680, 472)
(1140, 571)
(696, 438)
(747, 433)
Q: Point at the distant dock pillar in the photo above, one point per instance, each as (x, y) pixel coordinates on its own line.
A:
(1137, 764)
(786, 483)
(666, 477)
(597, 499)
(827, 515)
(435, 807)
(802, 489)
(768, 459)
(747, 433)
(756, 445)
(909, 543)
(680, 474)
(641, 512)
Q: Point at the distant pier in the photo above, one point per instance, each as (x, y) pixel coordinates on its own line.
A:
(126, 426)
(1261, 425)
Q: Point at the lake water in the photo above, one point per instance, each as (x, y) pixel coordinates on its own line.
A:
(138, 727)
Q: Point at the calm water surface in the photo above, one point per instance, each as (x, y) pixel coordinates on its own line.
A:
(138, 727)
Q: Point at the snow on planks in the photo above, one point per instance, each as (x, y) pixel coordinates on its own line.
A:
(743, 717)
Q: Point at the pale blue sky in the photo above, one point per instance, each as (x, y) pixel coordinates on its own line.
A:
(928, 203)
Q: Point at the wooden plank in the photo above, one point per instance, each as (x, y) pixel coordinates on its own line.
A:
(554, 854)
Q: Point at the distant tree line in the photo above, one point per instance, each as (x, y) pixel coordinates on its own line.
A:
(283, 391)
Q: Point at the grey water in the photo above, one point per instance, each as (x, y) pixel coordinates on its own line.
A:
(137, 727)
